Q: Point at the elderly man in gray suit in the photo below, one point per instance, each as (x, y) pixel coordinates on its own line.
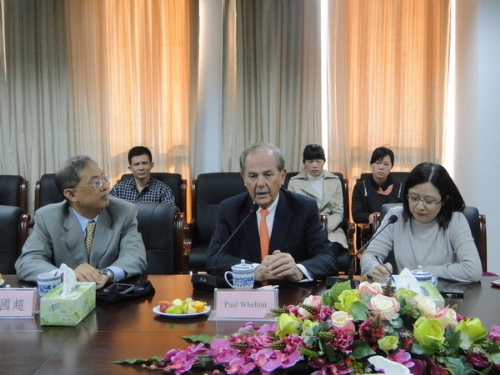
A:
(91, 232)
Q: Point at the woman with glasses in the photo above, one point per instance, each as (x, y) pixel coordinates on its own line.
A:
(431, 231)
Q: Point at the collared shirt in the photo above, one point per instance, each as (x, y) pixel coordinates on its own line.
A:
(119, 274)
(154, 191)
(270, 223)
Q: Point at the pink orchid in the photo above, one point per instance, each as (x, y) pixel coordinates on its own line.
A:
(222, 351)
(181, 362)
(266, 360)
(239, 366)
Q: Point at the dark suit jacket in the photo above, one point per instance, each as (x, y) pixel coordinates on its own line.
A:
(296, 230)
(57, 238)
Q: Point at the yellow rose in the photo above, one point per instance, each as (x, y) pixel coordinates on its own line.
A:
(288, 324)
(346, 299)
(472, 326)
(428, 331)
(387, 343)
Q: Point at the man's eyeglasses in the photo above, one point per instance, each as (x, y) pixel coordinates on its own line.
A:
(426, 202)
(98, 184)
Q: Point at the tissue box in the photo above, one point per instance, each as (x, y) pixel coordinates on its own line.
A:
(429, 290)
(59, 310)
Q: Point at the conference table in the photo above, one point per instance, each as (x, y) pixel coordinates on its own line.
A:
(130, 329)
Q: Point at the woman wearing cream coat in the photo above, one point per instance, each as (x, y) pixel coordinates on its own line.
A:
(325, 188)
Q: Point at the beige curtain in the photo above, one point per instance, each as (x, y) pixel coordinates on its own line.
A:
(130, 73)
(387, 64)
(389, 67)
(35, 131)
(271, 77)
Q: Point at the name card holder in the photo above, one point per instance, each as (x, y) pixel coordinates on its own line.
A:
(17, 302)
(252, 304)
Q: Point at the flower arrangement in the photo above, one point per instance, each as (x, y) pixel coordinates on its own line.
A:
(348, 331)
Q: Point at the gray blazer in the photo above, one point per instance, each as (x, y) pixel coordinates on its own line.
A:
(57, 238)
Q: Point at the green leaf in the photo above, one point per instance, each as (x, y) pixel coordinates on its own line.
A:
(494, 358)
(454, 365)
(330, 296)
(140, 361)
(361, 349)
(359, 311)
(308, 352)
(204, 339)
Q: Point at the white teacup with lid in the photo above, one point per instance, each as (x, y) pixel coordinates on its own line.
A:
(424, 276)
(242, 274)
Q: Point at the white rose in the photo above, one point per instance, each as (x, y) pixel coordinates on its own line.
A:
(447, 317)
(426, 306)
(386, 307)
(340, 318)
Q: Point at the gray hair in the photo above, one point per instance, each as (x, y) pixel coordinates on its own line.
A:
(280, 160)
(68, 176)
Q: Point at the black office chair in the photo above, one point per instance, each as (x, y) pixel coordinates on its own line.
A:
(46, 191)
(14, 226)
(209, 189)
(14, 191)
(477, 223)
(174, 181)
(161, 226)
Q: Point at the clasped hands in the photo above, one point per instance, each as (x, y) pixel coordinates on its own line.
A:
(276, 266)
(85, 272)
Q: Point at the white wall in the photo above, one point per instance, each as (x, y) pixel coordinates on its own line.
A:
(209, 122)
(488, 125)
(477, 134)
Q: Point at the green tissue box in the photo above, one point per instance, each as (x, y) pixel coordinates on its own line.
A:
(429, 290)
(59, 310)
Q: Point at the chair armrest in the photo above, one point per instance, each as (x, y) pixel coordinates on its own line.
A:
(179, 222)
(483, 249)
(23, 231)
(377, 220)
(189, 233)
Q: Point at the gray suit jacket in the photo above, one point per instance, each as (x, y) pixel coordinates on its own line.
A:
(57, 238)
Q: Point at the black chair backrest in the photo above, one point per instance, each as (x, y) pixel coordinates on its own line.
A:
(13, 191)
(174, 181)
(9, 225)
(159, 229)
(211, 189)
(46, 191)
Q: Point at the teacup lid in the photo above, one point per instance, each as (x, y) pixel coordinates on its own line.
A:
(242, 266)
(420, 273)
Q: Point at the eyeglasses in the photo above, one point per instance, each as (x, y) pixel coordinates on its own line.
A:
(98, 184)
(426, 202)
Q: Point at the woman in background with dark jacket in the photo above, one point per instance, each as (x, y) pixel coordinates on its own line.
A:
(371, 194)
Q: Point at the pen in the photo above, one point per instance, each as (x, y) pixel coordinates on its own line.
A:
(383, 265)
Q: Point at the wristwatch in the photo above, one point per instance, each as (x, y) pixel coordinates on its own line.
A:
(108, 273)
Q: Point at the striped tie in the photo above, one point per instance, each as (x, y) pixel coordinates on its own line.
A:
(89, 236)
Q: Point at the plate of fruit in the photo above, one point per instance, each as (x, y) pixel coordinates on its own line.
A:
(181, 308)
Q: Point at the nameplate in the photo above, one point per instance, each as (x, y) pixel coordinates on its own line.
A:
(251, 304)
(17, 302)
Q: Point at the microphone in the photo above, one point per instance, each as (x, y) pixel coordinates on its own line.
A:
(211, 281)
(331, 280)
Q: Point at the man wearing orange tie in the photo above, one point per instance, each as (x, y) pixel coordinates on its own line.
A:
(284, 237)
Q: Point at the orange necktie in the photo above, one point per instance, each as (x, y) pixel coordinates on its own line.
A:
(264, 233)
